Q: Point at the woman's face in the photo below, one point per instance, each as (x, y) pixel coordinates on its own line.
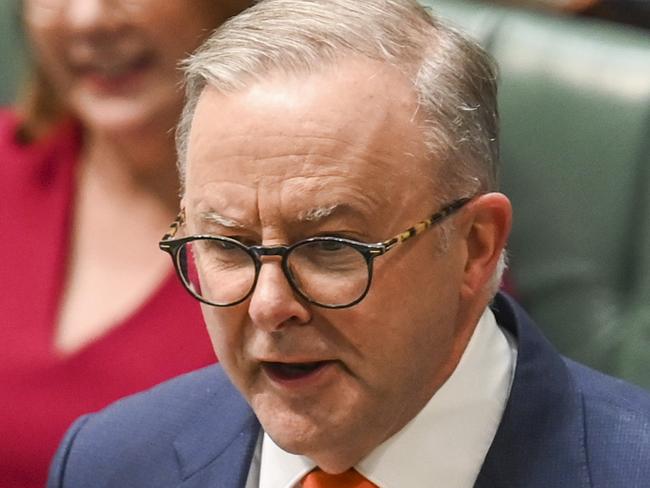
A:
(115, 62)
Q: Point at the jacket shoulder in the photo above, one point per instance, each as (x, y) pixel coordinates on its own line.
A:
(617, 428)
(131, 442)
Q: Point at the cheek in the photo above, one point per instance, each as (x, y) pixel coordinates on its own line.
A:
(410, 349)
(226, 330)
(177, 32)
(45, 45)
(38, 18)
(407, 322)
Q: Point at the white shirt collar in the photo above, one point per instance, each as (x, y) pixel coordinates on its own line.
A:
(446, 442)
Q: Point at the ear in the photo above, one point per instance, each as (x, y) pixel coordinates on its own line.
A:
(485, 228)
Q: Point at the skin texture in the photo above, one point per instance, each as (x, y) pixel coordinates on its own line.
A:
(264, 158)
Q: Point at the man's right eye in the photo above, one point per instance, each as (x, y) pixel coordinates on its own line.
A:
(329, 246)
(216, 245)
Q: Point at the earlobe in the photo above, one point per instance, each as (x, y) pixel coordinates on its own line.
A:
(486, 230)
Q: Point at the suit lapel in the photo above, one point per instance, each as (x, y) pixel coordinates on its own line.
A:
(216, 450)
(540, 441)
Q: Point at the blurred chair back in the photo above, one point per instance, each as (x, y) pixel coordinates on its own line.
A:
(12, 52)
(575, 150)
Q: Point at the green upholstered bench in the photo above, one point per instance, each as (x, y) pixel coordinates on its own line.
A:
(575, 150)
(12, 52)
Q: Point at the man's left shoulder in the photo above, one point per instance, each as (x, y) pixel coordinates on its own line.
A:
(616, 422)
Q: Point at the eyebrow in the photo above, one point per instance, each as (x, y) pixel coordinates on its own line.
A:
(318, 213)
(312, 215)
(216, 218)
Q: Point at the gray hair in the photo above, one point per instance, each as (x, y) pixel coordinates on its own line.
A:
(454, 79)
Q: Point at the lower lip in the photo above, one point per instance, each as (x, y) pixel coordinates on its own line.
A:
(111, 85)
(309, 379)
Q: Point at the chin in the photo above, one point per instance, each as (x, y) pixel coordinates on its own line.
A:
(295, 432)
(321, 441)
(125, 116)
(331, 454)
(314, 445)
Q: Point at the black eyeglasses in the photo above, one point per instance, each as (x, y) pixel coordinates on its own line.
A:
(331, 272)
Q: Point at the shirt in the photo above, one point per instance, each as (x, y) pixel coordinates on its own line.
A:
(445, 444)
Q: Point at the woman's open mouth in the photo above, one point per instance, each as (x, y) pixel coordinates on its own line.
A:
(114, 73)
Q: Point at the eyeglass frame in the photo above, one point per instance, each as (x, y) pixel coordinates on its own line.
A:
(368, 250)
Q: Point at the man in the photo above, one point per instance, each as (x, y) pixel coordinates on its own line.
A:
(313, 133)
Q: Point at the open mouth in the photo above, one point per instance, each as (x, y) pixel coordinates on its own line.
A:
(293, 371)
(114, 70)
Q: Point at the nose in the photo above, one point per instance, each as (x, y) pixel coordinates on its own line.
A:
(84, 15)
(274, 304)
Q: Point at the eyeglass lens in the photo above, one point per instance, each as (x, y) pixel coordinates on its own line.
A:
(222, 272)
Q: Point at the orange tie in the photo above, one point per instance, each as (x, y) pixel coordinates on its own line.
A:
(350, 479)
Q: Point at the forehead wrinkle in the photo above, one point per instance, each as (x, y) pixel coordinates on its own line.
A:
(316, 164)
(339, 135)
(308, 145)
(345, 188)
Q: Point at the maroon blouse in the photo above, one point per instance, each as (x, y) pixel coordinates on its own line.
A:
(41, 392)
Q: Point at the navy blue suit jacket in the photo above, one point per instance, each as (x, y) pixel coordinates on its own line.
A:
(565, 426)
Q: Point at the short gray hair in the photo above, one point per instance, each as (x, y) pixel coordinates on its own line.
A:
(454, 79)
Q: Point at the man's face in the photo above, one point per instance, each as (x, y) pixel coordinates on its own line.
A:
(333, 153)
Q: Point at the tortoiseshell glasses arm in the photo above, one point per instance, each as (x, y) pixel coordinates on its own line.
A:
(426, 224)
(175, 225)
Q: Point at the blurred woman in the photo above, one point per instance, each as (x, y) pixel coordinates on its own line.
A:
(90, 309)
